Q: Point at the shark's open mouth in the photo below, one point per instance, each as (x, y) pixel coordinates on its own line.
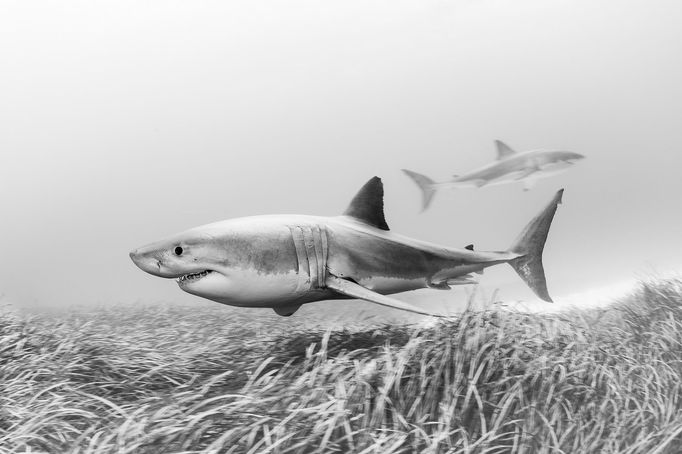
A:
(194, 276)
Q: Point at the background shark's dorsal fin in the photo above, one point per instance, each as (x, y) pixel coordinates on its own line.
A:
(469, 247)
(368, 204)
(503, 150)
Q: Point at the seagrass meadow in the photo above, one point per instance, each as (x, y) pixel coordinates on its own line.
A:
(161, 379)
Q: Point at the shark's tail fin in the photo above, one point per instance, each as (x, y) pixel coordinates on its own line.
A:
(530, 244)
(425, 184)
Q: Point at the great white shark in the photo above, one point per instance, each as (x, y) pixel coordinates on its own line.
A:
(284, 261)
(510, 167)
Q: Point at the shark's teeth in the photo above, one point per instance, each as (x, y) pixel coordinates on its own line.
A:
(193, 276)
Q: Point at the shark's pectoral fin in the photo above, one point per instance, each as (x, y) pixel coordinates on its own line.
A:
(353, 290)
(286, 311)
(525, 173)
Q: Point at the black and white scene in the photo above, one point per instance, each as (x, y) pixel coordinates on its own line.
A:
(372, 227)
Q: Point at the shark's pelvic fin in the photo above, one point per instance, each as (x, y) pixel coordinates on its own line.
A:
(530, 244)
(529, 183)
(368, 204)
(286, 311)
(353, 290)
(463, 280)
(442, 285)
(503, 150)
(425, 184)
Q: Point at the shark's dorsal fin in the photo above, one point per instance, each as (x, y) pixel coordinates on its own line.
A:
(368, 204)
(469, 247)
(503, 150)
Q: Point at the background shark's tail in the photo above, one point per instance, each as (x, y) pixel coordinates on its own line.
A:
(425, 184)
(530, 244)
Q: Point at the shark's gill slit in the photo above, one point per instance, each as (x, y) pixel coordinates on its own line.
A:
(311, 252)
(302, 269)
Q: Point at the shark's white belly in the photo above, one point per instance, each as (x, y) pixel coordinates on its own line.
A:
(251, 288)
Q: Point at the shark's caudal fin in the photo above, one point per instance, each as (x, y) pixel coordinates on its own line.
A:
(425, 184)
(530, 244)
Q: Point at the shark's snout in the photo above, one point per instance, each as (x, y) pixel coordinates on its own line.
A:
(575, 157)
(140, 260)
(149, 262)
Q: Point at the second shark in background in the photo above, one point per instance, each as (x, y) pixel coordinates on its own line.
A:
(510, 167)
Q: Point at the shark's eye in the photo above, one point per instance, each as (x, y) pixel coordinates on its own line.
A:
(178, 250)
